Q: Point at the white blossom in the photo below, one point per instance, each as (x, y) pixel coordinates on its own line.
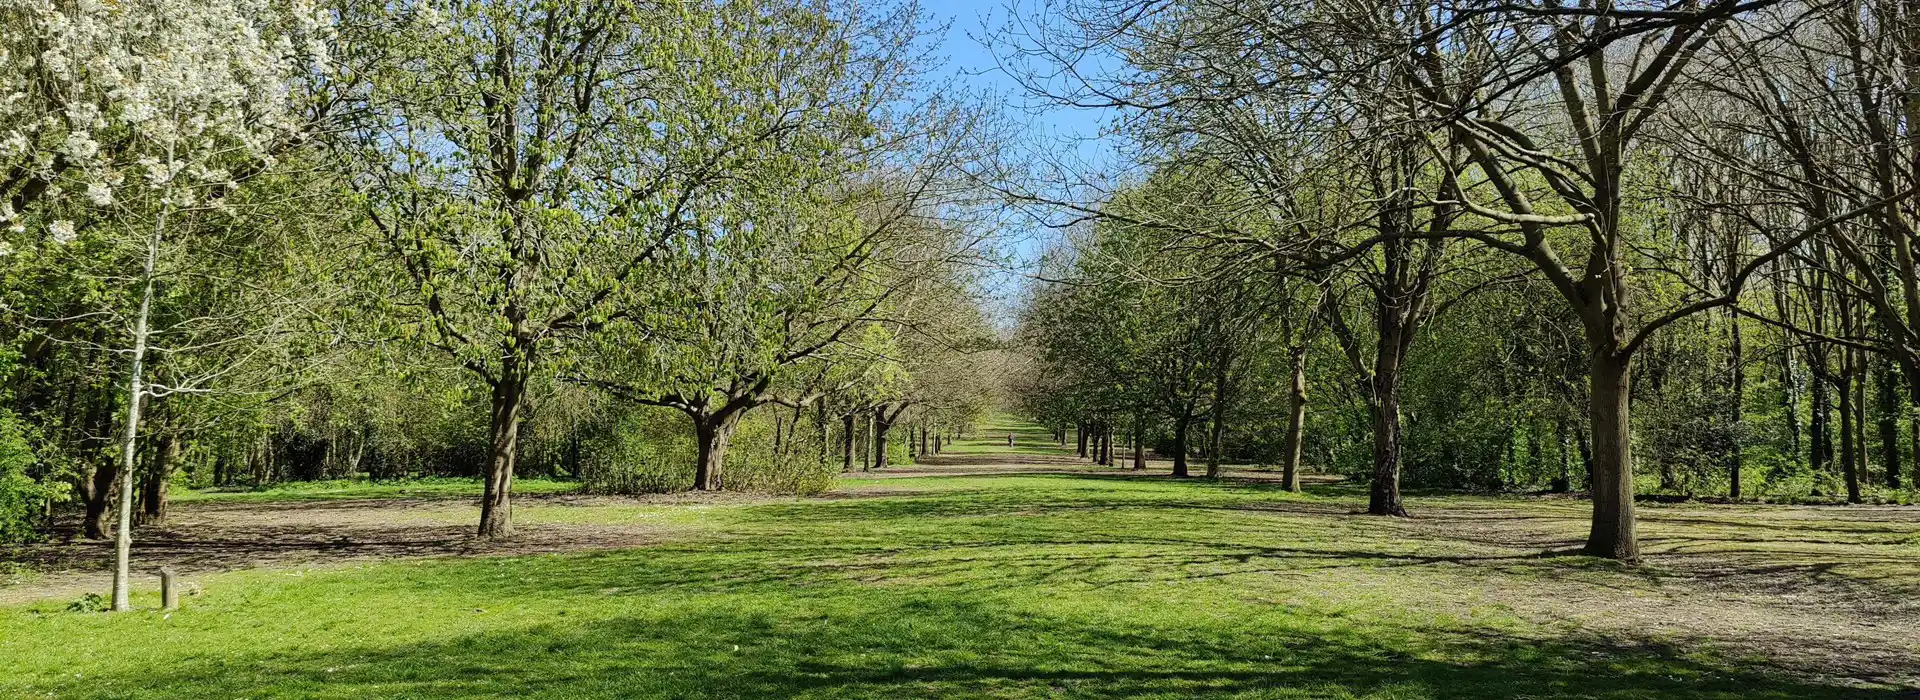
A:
(100, 194)
(61, 231)
(81, 146)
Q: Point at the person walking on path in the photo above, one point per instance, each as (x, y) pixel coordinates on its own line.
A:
(1009, 439)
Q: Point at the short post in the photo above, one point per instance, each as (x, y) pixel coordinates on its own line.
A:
(169, 594)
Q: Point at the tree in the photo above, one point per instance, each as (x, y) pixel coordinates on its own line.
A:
(526, 164)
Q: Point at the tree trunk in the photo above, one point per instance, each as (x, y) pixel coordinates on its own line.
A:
(1139, 441)
(99, 498)
(1216, 425)
(880, 428)
(1736, 408)
(1080, 436)
(1889, 424)
(1296, 421)
(846, 442)
(711, 435)
(1180, 444)
(1106, 444)
(1819, 444)
(1612, 533)
(129, 440)
(1849, 458)
(496, 504)
(1384, 496)
(154, 502)
(1563, 482)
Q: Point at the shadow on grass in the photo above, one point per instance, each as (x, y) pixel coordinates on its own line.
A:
(856, 642)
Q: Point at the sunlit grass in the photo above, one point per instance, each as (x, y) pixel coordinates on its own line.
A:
(1018, 586)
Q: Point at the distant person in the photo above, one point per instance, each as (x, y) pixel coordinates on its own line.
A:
(1009, 439)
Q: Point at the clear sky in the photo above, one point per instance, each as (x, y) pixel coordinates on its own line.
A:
(971, 62)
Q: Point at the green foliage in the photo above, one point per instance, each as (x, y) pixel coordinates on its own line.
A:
(21, 496)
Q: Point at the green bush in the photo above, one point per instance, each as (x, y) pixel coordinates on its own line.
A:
(651, 450)
(21, 497)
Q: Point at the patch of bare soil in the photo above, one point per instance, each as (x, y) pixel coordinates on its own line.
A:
(212, 537)
(1819, 591)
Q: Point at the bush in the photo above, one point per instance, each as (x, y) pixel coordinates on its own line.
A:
(21, 497)
(651, 450)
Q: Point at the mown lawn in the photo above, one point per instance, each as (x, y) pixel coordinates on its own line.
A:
(1017, 586)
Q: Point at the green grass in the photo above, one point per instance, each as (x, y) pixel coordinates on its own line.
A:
(990, 438)
(347, 489)
(1027, 586)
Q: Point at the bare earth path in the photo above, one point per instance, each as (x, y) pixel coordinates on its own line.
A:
(1831, 593)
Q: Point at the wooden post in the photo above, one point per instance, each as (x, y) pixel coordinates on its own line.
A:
(169, 593)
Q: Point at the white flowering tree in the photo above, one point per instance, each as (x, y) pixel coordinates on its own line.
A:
(130, 123)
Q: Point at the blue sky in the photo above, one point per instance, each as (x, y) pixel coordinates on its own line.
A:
(970, 62)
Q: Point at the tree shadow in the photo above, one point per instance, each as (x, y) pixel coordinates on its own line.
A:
(855, 642)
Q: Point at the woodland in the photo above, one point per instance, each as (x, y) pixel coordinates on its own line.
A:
(746, 348)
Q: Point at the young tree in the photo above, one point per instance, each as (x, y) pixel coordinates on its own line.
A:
(151, 113)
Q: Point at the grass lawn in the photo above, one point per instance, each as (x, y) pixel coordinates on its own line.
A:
(1091, 584)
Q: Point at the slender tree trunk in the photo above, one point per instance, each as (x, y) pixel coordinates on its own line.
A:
(496, 504)
(1139, 441)
(1080, 436)
(1180, 426)
(1736, 408)
(1563, 482)
(1216, 425)
(1819, 444)
(1849, 458)
(1889, 423)
(129, 439)
(1612, 534)
(1296, 421)
(881, 426)
(846, 442)
(1106, 444)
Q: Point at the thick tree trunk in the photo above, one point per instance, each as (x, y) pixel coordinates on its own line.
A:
(1180, 426)
(1384, 496)
(1612, 534)
(711, 435)
(99, 498)
(1080, 436)
(1296, 421)
(153, 501)
(496, 504)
